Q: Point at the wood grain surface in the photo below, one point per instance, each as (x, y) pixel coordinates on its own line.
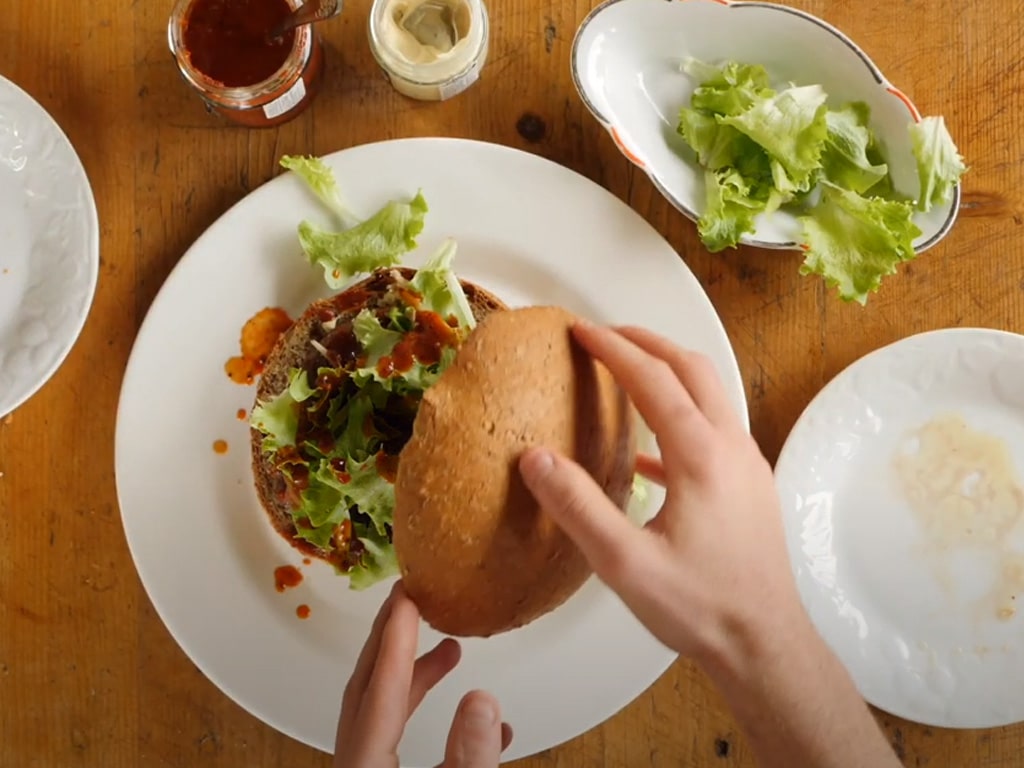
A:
(89, 676)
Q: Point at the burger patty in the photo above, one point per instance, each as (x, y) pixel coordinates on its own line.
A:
(327, 322)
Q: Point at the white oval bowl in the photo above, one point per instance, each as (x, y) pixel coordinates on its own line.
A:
(626, 64)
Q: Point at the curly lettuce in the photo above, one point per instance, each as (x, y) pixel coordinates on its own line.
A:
(379, 241)
(763, 149)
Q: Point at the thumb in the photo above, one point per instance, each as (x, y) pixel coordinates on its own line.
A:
(569, 495)
(474, 740)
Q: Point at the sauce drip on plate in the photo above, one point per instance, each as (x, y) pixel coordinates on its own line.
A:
(286, 577)
(259, 334)
(961, 486)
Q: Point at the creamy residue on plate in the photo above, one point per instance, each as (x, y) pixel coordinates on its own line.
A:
(962, 487)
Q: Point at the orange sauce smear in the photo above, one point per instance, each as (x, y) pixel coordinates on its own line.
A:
(220, 446)
(259, 334)
(302, 611)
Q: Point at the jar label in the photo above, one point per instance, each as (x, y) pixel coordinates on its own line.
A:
(460, 83)
(286, 101)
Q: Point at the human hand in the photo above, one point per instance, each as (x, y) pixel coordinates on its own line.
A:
(388, 684)
(711, 568)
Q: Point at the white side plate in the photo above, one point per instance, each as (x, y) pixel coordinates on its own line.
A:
(915, 618)
(49, 246)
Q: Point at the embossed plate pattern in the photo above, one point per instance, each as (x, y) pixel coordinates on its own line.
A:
(917, 645)
(49, 246)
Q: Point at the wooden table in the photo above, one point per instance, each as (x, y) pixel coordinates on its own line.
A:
(88, 674)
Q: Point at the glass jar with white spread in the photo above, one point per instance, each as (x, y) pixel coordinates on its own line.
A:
(430, 49)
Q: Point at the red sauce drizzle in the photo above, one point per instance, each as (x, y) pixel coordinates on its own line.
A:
(220, 446)
(306, 561)
(227, 40)
(259, 334)
(350, 299)
(387, 466)
(302, 611)
(242, 414)
(286, 576)
(409, 298)
(423, 343)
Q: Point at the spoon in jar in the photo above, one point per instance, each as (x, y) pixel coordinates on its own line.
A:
(307, 13)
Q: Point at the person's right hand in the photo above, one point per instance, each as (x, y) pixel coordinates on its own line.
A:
(711, 569)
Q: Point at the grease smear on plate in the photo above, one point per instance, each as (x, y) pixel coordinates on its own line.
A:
(962, 488)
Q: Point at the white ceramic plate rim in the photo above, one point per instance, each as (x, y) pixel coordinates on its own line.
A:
(153, 553)
(795, 473)
(733, 5)
(52, 165)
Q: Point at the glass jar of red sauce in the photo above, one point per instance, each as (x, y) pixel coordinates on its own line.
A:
(223, 51)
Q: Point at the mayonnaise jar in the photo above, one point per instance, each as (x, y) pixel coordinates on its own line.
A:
(430, 49)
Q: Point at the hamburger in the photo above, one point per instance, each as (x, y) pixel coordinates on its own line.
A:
(336, 403)
(389, 419)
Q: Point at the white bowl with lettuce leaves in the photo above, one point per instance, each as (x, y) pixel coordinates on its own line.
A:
(769, 127)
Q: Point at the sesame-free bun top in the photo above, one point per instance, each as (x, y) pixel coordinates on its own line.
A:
(477, 555)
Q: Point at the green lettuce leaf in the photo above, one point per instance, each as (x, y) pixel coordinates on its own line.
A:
(328, 501)
(351, 422)
(762, 149)
(378, 561)
(791, 127)
(854, 241)
(323, 505)
(377, 242)
(718, 145)
(728, 90)
(730, 210)
(440, 288)
(319, 177)
(298, 386)
(277, 419)
(845, 159)
(376, 340)
(374, 495)
(639, 491)
(417, 379)
(939, 164)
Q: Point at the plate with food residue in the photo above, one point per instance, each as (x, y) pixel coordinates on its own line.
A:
(902, 487)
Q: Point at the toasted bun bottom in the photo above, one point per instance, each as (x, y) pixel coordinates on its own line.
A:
(294, 350)
(477, 554)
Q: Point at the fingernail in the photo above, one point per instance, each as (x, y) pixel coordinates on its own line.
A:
(539, 462)
(480, 714)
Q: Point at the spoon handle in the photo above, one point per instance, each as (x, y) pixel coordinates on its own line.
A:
(308, 12)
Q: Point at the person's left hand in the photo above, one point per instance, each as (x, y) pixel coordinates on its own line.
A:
(389, 682)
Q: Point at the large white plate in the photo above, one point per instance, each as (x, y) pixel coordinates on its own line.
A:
(916, 624)
(528, 229)
(49, 246)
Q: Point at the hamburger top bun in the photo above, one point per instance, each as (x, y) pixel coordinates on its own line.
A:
(476, 553)
(294, 350)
